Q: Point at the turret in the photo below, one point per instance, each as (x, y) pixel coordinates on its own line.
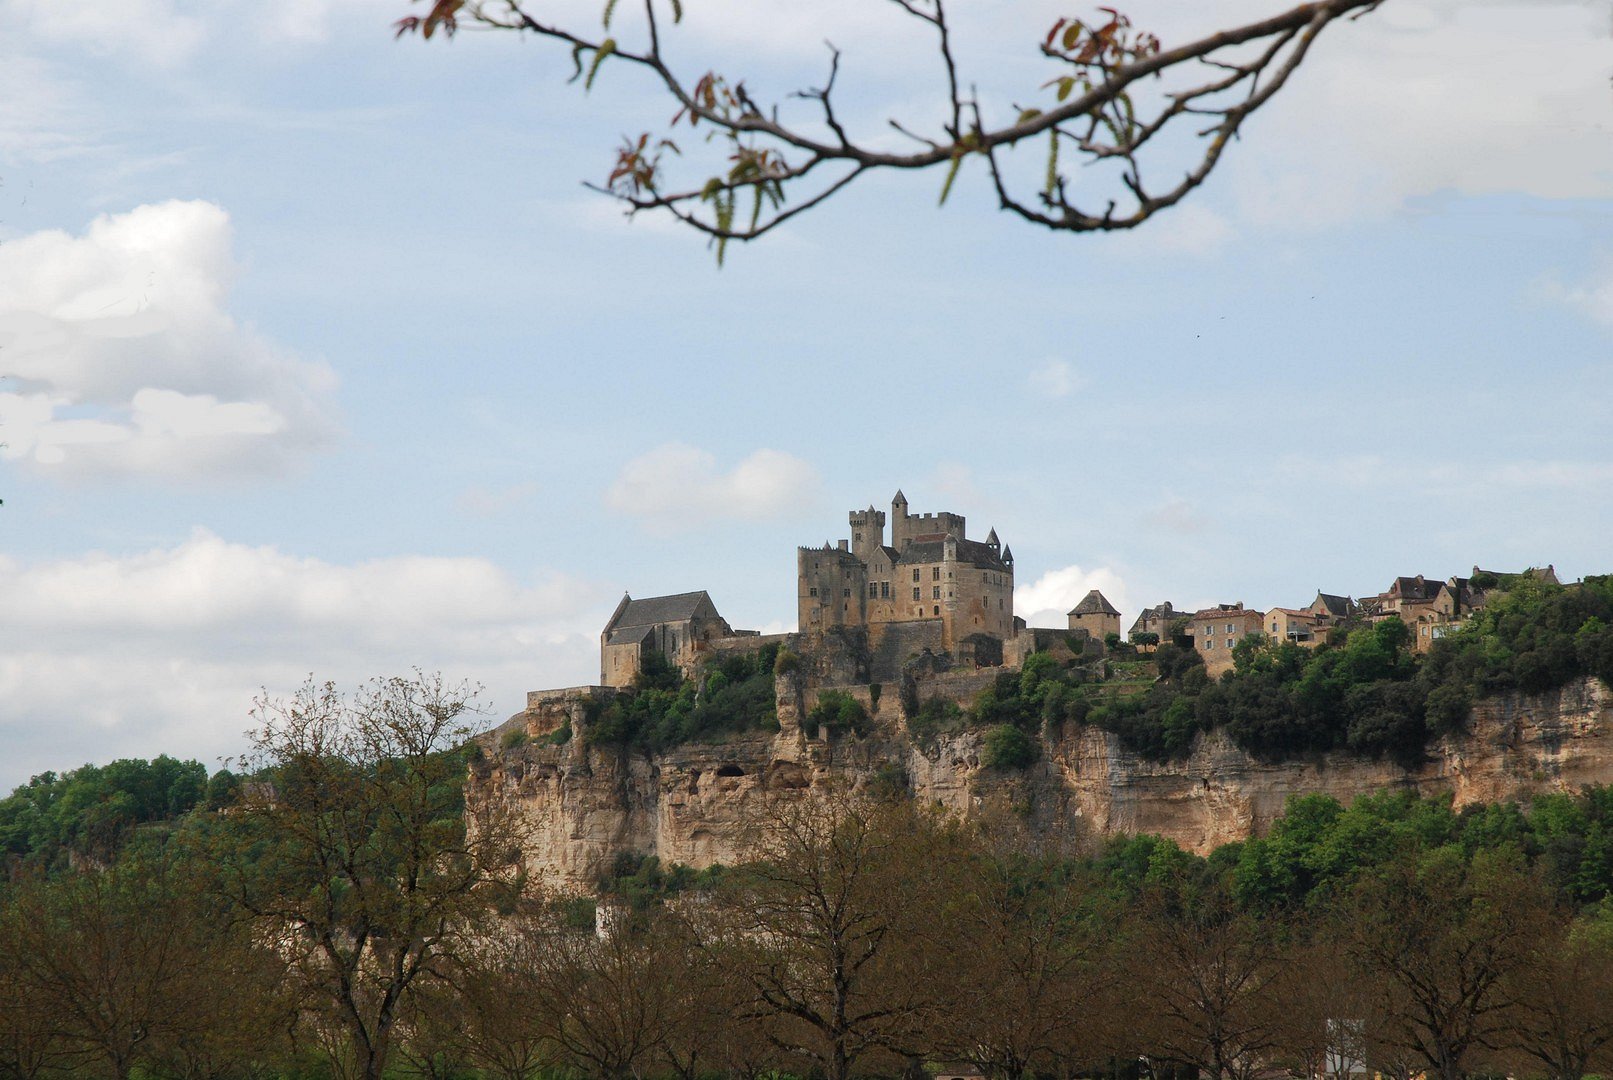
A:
(867, 532)
(991, 540)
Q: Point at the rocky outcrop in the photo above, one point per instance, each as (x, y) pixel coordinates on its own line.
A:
(702, 804)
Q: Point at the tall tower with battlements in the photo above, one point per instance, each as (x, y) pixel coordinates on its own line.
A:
(929, 575)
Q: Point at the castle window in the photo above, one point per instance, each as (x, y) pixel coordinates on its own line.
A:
(915, 573)
(873, 590)
(857, 537)
(847, 593)
(938, 611)
(884, 590)
(935, 593)
(812, 591)
(935, 573)
(915, 592)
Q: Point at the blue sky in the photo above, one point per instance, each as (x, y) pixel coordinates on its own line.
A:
(319, 359)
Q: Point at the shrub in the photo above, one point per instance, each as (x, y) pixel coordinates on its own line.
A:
(513, 738)
(1007, 747)
(837, 711)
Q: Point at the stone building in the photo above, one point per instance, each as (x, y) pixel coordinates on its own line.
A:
(929, 573)
(675, 626)
(1156, 620)
(1096, 616)
(1216, 630)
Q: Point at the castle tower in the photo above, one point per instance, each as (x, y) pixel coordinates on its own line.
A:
(867, 532)
(899, 529)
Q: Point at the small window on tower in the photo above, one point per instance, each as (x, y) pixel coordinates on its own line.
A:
(812, 591)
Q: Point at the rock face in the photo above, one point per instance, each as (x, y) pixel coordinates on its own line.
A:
(702, 804)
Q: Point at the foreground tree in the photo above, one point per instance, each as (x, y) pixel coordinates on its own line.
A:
(353, 846)
(1448, 940)
(1562, 1023)
(1114, 93)
(839, 933)
(123, 969)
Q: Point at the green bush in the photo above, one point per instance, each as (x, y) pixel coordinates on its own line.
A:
(513, 738)
(1007, 747)
(838, 712)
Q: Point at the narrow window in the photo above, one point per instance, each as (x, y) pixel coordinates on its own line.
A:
(935, 573)
(884, 590)
(813, 591)
(938, 611)
(935, 593)
(915, 592)
(915, 573)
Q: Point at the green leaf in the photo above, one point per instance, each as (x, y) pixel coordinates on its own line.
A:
(1053, 163)
(606, 47)
(952, 174)
(610, 9)
(677, 11)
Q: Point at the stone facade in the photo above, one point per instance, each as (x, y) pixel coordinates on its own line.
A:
(1096, 616)
(678, 627)
(930, 571)
(1216, 630)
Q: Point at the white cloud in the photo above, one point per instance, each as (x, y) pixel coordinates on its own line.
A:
(123, 359)
(1055, 379)
(1448, 478)
(1592, 298)
(155, 31)
(678, 486)
(1409, 102)
(1048, 600)
(162, 651)
(1177, 515)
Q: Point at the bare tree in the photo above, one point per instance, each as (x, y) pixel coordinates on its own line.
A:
(1115, 93)
(1210, 975)
(1034, 990)
(836, 932)
(126, 965)
(353, 846)
(1563, 1022)
(1447, 939)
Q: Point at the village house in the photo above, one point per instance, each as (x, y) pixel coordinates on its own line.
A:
(1216, 630)
(1156, 620)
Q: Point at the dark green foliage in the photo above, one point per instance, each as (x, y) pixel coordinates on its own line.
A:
(936, 716)
(641, 881)
(890, 781)
(837, 713)
(1145, 638)
(733, 694)
(91, 811)
(1007, 747)
(512, 739)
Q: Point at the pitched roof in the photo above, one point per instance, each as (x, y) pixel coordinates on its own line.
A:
(1414, 588)
(1337, 606)
(629, 635)
(1226, 611)
(662, 609)
(1094, 603)
(972, 552)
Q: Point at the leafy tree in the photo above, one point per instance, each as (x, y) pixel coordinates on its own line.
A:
(837, 712)
(352, 844)
(767, 163)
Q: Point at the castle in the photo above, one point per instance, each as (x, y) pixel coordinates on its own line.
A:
(929, 572)
(930, 590)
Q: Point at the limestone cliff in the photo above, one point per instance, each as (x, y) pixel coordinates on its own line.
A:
(700, 804)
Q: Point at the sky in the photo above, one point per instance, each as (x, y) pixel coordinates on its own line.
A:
(317, 359)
